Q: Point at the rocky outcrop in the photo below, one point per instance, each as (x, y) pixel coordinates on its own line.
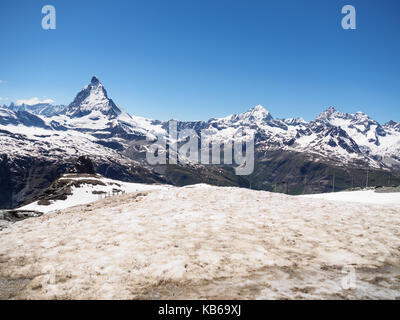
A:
(83, 165)
(8, 217)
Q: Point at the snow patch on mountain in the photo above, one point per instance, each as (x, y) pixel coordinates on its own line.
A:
(92, 188)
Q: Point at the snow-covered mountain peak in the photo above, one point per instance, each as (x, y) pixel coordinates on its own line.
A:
(258, 108)
(257, 114)
(95, 85)
(391, 125)
(337, 118)
(295, 121)
(361, 116)
(93, 98)
(330, 113)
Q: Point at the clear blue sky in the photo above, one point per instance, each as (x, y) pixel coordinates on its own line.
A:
(196, 59)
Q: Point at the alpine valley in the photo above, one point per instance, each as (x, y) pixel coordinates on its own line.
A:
(336, 150)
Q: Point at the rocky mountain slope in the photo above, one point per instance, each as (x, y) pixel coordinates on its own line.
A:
(40, 142)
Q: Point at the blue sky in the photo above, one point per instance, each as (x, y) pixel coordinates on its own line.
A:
(193, 60)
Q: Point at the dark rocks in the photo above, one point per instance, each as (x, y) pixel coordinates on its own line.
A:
(17, 215)
(84, 165)
(22, 178)
(95, 81)
(8, 217)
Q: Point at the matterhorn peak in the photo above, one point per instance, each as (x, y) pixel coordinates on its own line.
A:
(93, 98)
(95, 81)
(94, 84)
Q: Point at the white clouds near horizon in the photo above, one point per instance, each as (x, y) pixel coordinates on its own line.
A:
(33, 101)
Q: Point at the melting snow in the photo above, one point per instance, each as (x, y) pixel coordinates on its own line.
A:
(364, 196)
(206, 242)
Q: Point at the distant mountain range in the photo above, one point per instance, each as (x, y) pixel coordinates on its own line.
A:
(40, 142)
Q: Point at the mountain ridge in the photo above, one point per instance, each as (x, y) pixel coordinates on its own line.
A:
(93, 125)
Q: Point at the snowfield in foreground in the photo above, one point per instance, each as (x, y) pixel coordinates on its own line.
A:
(205, 242)
(362, 196)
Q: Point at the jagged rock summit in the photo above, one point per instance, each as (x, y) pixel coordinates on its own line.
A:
(93, 98)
